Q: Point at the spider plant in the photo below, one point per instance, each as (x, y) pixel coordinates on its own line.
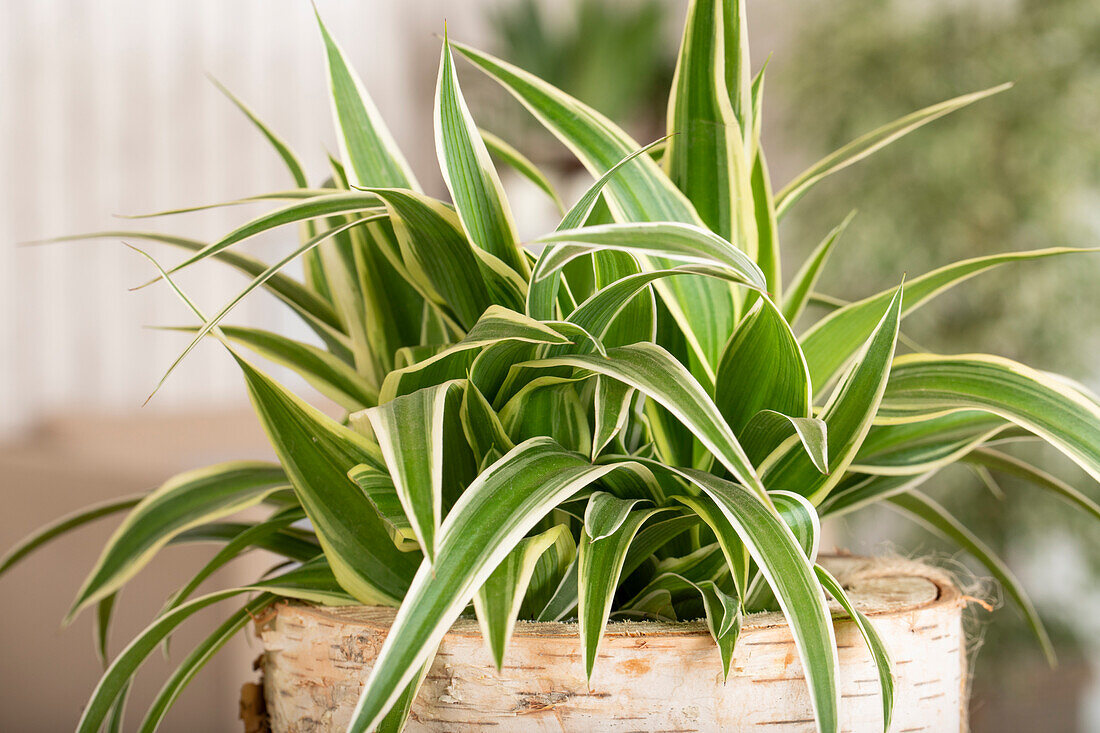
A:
(617, 420)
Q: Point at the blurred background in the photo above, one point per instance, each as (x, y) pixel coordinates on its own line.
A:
(105, 111)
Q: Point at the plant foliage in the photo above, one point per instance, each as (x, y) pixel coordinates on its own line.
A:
(617, 420)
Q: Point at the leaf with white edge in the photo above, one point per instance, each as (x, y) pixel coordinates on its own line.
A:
(917, 447)
(64, 525)
(366, 145)
(667, 240)
(313, 582)
(543, 293)
(344, 202)
(656, 373)
(930, 514)
(185, 501)
(768, 429)
(706, 157)
(329, 375)
(613, 399)
(734, 550)
(847, 415)
(797, 294)
(495, 326)
(790, 575)
(469, 173)
(927, 385)
(317, 452)
(499, 508)
(605, 513)
(762, 368)
(863, 146)
(723, 620)
(871, 637)
(410, 433)
(499, 599)
(380, 491)
(996, 461)
(830, 342)
(599, 567)
(437, 254)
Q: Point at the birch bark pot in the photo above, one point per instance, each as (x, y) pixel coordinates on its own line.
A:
(650, 676)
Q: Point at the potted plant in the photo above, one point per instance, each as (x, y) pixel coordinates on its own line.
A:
(618, 422)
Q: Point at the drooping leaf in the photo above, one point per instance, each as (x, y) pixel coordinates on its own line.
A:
(847, 416)
(505, 502)
(933, 516)
(184, 501)
(64, 525)
(499, 599)
(830, 342)
(927, 385)
(599, 566)
(317, 453)
(875, 645)
(410, 433)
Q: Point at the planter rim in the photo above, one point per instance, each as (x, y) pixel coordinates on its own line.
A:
(872, 584)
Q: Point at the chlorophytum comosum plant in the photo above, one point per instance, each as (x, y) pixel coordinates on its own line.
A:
(631, 417)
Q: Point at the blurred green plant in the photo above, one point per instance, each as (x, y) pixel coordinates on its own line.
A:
(1020, 172)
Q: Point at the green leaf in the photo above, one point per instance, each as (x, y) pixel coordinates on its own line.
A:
(366, 144)
(599, 567)
(313, 309)
(762, 368)
(437, 254)
(863, 146)
(380, 491)
(805, 280)
(871, 637)
(496, 325)
(1002, 463)
(613, 400)
(768, 429)
(917, 447)
(706, 156)
(185, 501)
(640, 192)
(667, 240)
(293, 165)
(723, 620)
(327, 374)
(767, 227)
(830, 342)
(316, 207)
(469, 172)
(926, 385)
(734, 550)
(847, 416)
(64, 525)
(656, 373)
(927, 512)
(504, 503)
(312, 582)
(481, 424)
(317, 453)
(542, 293)
(499, 599)
(410, 433)
(789, 574)
(605, 513)
(506, 153)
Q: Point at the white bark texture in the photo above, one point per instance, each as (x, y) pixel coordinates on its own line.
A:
(650, 676)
